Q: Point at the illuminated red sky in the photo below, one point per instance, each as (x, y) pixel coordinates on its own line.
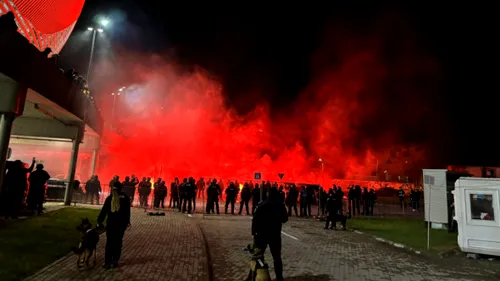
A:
(335, 82)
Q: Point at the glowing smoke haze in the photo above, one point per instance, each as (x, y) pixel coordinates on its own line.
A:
(175, 122)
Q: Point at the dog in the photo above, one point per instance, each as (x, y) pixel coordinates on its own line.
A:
(259, 270)
(88, 243)
(341, 218)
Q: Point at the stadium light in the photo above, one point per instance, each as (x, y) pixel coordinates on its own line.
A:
(104, 22)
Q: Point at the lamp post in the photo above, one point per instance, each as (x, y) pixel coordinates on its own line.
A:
(94, 30)
(115, 95)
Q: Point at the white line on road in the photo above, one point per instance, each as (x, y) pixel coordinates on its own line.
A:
(286, 234)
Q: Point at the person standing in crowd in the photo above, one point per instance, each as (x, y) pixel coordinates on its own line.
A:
(36, 194)
(182, 194)
(200, 185)
(322, 200)
(350, 202)
(303, 202)
(128, 188)
(255, 197)
(266, 229)
(133, 183)
(291, 200)
(162, 193)
(117, 210)
(357, 199)
(340, 199)
(192, 192)
(93, 189)
(331, 210)
(213, 193)
(15, 183)
(282, 194)
(311, 198)
(157, 193)
(174, 194)
(366, 201)
(187, 191)
(401, 195)
(231, 194)
(371, 203)
(246, 194)
(144, 191)
(115, 178)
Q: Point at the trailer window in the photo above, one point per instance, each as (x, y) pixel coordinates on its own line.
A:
(481, 206)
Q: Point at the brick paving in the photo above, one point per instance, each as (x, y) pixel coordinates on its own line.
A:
(173, 248)
(155, 248)
(312, 253)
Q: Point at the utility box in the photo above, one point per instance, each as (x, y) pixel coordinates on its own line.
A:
(477, 214)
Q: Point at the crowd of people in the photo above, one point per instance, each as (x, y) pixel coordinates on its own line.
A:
(9, 20)
(183, 195)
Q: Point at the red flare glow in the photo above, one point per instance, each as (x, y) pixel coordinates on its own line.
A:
(175, 123)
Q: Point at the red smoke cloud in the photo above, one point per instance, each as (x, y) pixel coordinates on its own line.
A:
(364, 100)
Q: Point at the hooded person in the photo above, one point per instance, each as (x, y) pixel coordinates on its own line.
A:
(117, 209)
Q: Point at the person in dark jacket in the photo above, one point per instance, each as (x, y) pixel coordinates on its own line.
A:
(266, 228)
(157, 194)
(291, 200)
(117, 209)
(255, 197)
(15, 183)
(174, 194)
(331, 210)
(246, 194)
(372, 197)
(231, 194)
(36, 193)
(213, 194)
(366, 201)
(144, 191)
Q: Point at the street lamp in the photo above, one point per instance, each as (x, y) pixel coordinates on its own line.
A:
(113, 108)
(94, 30)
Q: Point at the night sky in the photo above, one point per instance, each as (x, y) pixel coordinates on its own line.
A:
(268, 48)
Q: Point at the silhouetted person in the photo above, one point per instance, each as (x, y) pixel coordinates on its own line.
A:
(291, 200)
(213, 193)
(117, 209)
(174, 194)
(9, 21)
(93, 189)
(266, 228)
(255, 197)
(16, 182)
(246, 194)
(36, 193)
(231, 194)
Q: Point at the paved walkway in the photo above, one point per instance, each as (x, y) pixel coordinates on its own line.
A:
(173, 248)
(312, 253)
(155, 248)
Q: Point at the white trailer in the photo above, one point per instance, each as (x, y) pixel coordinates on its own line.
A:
(477, 214)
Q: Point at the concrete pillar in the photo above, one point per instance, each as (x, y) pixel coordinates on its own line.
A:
(72, 165)
(6, 120)
(95, 156)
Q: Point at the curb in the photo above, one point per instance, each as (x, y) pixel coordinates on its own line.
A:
(389, 242)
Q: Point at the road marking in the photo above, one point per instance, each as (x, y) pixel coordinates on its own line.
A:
(286, 234)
